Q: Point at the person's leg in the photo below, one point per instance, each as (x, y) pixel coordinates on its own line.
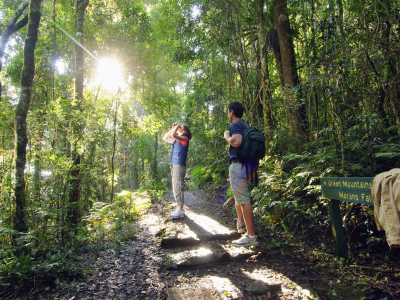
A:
(173, 175)
(249, 238)
(180, 199)
(239, 213)
(248, 218)
(232, 179)
(240, 191)
(178, 175)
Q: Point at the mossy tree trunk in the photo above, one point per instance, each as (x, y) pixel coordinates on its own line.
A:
(74, 211)
(18, 218)
(265, 92)
(289, 71)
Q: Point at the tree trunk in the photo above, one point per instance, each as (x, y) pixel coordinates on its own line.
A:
(273, 42)
(37, 165)
(265, 92)
(390, 83)
(289, 70)
(11, 27)
(21, 139)
(135, 172)
(155, 154)
(73, 215)
(113, 153)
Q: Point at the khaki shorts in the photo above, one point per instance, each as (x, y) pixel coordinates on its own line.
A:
(240, 188)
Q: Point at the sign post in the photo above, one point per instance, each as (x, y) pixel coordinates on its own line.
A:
(349, 189)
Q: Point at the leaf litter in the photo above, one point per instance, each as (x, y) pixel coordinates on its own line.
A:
(135, 271)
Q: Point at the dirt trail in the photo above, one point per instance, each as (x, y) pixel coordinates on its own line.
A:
(192, 258)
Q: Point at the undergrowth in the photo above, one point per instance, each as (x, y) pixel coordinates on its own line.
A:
(289, 197)
(26, 265)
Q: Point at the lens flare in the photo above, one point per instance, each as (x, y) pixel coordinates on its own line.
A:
(109, 74)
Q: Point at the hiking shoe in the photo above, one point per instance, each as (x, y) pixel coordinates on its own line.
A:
(245, 240)
(241, 227)
(178, 214)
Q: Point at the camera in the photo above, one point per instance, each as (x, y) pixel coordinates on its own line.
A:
(176, 123)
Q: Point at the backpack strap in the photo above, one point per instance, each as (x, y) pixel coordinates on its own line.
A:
(242, 124)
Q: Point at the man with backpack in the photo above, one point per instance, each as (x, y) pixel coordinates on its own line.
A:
(240, 170)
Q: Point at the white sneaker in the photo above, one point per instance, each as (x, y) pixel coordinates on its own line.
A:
(245, 240)
(178, 214)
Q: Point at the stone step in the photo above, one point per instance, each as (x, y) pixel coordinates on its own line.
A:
(210, 288)
(196, 227)
(182, 235)
(207, 255)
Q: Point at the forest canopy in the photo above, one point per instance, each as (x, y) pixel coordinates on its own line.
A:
(88, 89)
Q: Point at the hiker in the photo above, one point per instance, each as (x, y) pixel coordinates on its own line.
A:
(179, 136)
(238, 177)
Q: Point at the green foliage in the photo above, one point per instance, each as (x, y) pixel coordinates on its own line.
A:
(213, 173)
(156, 190)
(105, 220)
(16, 267)
(187, 68)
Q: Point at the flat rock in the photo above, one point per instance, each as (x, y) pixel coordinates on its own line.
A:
(190, 258)
(309, 292)
(198, 294)
(262, 288)
(206, 288)
(241, 253)
(172, 242)
(222, 253)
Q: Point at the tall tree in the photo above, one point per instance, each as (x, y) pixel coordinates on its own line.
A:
(289, 70)
(73, 214)
(21, 139)
(265, 92)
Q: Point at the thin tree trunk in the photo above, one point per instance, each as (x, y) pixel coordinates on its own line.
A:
(21, 139)
(278, 56)
(38, 167)
(155, 154)
(113, 152)
(89, 181)
(135, 172)
(73, 215)
(265, 92)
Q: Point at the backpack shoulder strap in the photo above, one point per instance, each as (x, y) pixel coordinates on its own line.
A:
(242, 124)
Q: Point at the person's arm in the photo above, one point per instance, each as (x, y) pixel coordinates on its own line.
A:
(167, 137)
(235, 140)
(184, 140)
(174, 136)
(179, 138)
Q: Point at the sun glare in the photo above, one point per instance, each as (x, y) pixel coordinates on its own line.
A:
(60, 65)
(109, 74)
(195, 11)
